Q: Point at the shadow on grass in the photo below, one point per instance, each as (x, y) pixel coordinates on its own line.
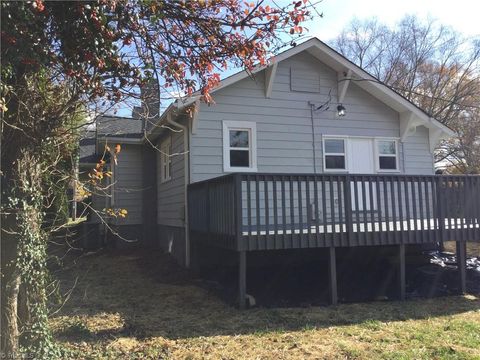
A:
(146, 295)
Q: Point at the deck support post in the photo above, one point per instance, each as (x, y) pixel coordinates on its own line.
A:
(462, 265)
(401, 271)
(332, 272)
(242, 279)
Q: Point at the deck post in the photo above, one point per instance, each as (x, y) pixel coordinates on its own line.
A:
(401, 270)
(462, 265)
(332, 272)
(242, 279)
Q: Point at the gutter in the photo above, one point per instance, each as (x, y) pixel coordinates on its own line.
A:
(121, 140)
(186, 157)
(177, 105)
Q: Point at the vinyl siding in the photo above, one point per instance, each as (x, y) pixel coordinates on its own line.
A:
(170, 194)
(417, 157)
(284, 130)
(128, 185)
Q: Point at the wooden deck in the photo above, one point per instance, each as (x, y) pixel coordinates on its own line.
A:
(251, 212)
(276, 211)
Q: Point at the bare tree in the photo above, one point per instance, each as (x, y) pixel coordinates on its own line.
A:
(428, 63)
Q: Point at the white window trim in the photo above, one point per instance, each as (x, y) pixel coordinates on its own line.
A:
(345, 147)
(249, 126)
(377, 155)
(165, 158)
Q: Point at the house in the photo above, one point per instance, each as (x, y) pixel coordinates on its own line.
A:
(310, 151)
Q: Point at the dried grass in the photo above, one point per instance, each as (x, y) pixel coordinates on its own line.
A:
(145, 307)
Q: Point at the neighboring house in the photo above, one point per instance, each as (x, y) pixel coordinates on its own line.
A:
(125, 188)
(281, 129)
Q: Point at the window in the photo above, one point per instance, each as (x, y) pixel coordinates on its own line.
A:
(387, 155)
(334, 154)
(166, 160)
(239, 146)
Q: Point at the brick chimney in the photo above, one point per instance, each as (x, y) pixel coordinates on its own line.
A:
(150, 108)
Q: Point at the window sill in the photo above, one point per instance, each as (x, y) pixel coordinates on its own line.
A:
(165, 181)
(343, 171)
(239, 170)
(385, 171)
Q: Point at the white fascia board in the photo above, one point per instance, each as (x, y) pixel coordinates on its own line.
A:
(121, 140)
(445, 129)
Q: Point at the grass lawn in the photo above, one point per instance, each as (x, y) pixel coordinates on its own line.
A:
(135, 305)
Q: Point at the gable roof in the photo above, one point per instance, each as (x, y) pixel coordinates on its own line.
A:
(409, 112)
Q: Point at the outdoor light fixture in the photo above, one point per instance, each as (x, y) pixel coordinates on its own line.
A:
(341, 111)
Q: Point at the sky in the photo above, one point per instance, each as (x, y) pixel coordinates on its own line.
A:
(461, 15)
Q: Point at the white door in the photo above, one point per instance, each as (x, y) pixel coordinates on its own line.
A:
(361, 161)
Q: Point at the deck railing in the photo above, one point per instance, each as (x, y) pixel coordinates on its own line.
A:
(281, 211)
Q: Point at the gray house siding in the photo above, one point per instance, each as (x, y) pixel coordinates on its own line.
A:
(284, 130)
(128, 194)
(128, 185)
(171, 198)
(170, 194)
(416, 153)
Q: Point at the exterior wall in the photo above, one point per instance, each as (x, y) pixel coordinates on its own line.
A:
(128, 194)
(149, 194)
(171, 194)
(417, 157)
(171, 199)
(284, 129)
(128, 185)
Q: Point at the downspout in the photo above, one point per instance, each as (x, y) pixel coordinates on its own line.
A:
(186, 158)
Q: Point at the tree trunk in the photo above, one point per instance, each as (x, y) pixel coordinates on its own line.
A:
(10, 289)
(10, 332)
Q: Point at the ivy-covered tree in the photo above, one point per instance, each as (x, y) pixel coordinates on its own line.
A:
(59, 57)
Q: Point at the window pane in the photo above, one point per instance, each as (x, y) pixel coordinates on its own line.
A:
(239, 158)
(386, 147)
(335, 162)
(239, 138)
(388, 163)
(334, 146)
